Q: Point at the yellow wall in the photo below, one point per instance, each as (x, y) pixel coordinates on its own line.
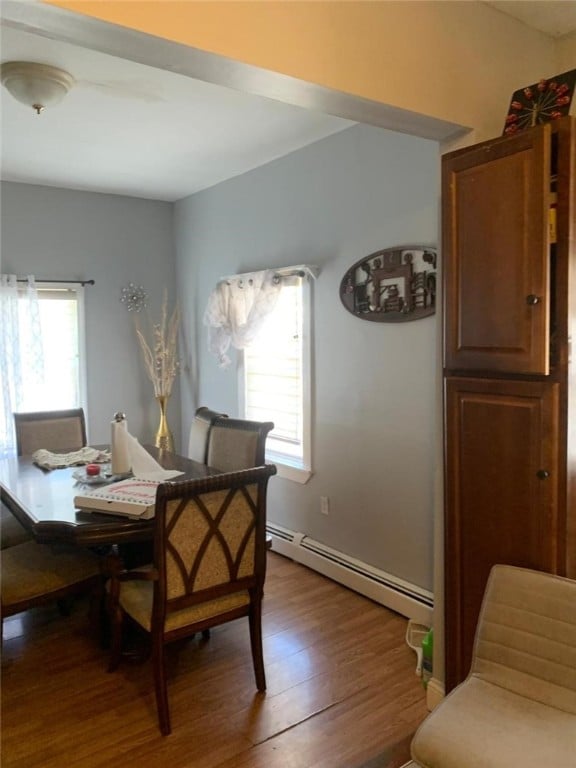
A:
(458, 61)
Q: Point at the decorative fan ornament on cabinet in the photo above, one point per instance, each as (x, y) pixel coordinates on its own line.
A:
(540, 102)
(393, 285)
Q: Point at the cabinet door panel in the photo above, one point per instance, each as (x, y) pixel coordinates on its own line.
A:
(496, 255)
(501, 505)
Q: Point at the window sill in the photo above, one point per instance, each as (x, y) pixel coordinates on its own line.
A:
(289, 471)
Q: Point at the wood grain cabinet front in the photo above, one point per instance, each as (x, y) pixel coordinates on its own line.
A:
(510, 386)
(496, 255)
(502, 503)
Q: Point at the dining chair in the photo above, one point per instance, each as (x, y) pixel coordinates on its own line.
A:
(34, 574)
(237, 444)
(52, 430)
(209, 568)
(517, 707)
(202, 423)
(11, 531)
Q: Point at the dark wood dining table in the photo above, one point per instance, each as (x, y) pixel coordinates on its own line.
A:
(43, 501)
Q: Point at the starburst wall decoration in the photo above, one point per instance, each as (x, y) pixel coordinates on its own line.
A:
(540, 102)
(134, 297)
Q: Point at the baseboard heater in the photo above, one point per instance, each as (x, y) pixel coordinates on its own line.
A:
(398, 595)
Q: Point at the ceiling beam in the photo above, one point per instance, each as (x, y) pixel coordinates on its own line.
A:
(58, 24)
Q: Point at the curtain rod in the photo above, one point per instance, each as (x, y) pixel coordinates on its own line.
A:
(66, 282)
(301, 270)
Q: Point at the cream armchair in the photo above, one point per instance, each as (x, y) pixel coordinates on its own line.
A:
(517, 707)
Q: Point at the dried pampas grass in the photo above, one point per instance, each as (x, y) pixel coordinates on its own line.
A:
(161, 356)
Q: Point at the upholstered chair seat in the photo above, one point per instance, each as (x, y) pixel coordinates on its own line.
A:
(36, 573)
(490, 727)
(136, 599)
(11, 531)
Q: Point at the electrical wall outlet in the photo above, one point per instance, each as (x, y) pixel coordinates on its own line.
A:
(324, 505)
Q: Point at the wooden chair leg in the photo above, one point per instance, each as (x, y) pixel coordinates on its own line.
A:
(116, 621)
(160, 685)
(255, 621)
(98, 614)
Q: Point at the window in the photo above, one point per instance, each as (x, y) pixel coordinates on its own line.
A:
(62, 334)
(276, 380)
(42, 354)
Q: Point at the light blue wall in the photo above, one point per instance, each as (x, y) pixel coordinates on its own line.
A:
(375, 408)
(61, 234)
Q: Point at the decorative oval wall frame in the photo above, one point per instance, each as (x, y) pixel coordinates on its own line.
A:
(394, 285)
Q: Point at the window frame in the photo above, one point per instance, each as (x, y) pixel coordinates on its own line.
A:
(295, 469)
(78, 291)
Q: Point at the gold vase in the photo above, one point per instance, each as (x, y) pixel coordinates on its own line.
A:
(164, 439)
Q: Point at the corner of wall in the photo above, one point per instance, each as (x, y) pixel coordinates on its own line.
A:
(434, 693)
(566, 53)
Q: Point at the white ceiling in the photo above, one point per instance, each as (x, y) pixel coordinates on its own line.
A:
(140, 131)
(146, 131)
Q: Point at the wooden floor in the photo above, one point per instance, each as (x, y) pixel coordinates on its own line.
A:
(341, 688)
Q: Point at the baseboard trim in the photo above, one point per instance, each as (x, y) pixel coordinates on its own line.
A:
(400, 596)
(434, 693)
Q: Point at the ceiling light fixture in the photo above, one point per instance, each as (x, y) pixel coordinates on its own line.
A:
(36, 85)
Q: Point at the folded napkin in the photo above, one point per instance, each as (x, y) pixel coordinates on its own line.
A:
(144, 466)
(49, 460)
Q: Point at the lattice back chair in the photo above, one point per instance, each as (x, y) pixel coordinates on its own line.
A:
(517, 707)
(202, 423)
(52, 430)
(237, 444)
(209, 568)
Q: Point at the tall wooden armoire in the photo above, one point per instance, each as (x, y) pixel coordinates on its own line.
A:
(509, 254)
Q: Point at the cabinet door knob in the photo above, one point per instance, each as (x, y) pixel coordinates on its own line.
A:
(532, 299)
(542, 474)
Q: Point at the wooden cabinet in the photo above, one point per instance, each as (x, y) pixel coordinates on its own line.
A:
(510, 389)
(501, 496)
(496, 257)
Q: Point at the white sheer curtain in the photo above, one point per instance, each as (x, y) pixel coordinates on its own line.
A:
(20, 350)
(236, 310)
